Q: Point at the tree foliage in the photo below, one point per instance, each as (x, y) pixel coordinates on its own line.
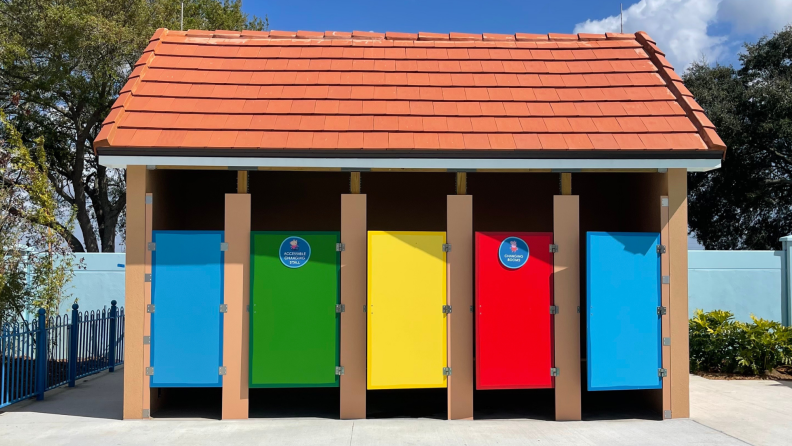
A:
(62, 64)
(747, 203)
(36, 261)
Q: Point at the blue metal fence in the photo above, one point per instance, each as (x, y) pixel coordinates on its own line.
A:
(71, 348)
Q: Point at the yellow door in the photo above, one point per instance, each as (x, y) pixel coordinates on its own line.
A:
(406, 323)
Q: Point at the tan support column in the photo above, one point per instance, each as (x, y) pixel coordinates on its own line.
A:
(353, 297)
(146, 302)
(678, 301)
(566, 288)
(665, 294)
(134, 290)
(236, 282)
(459, 234)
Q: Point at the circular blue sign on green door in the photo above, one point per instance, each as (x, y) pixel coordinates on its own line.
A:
(294, 252)
(513, 252)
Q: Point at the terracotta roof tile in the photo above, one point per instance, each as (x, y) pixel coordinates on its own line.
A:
(403, 91)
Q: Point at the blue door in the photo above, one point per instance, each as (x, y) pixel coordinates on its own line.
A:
(186, 291)
(623, 293)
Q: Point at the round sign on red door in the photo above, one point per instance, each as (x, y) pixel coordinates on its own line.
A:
(513, 252)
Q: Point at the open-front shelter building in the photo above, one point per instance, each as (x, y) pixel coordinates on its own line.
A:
(368, 211)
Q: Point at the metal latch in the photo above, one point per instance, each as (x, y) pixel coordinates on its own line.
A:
(446, 371)
(147, 278)
(224, 308)
(662, 373)
(666, 341)
(149, 371)
(554, 248)
(149, 199)
(661, 311)
(150, 308)
(340, 308)
(446, 309)
(339, 370)
(553, 309)
(221, 371)
(554, 371)
(446, 247)
(152, 246)
(146, 340)
(340, 247)
(224, 246)
(661, 249)
(666, 279)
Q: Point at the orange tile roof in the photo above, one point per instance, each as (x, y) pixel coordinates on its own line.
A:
(284, 91)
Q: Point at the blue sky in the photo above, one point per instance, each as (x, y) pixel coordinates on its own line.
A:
(685, 29)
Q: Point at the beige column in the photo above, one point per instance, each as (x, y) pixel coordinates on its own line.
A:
(146, 302)
(236, 282)
(566, 288)
(459, 234)
(678, 301)
(353, 297)
(134, 289)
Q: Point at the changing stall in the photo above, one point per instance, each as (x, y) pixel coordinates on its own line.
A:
(186, 318)
(514, 294)
(294, 309)
(623, 310)
(406, 347)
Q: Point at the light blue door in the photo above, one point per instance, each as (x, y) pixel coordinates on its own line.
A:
(623, 293)
(186, 291)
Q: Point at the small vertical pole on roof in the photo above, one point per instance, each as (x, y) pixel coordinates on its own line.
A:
(621, 16)
(181, 26)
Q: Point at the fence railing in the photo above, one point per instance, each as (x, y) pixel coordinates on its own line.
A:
(46, 353)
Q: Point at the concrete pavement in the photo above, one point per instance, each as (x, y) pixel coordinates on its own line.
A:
(724, 413)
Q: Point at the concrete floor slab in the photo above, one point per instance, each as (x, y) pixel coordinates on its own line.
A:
(724, 413)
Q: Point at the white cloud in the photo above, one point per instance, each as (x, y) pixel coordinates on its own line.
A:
(681, 27)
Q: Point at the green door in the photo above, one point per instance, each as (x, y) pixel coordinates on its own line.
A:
(293, 321)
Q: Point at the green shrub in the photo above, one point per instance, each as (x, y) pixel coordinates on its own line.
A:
(719, 344)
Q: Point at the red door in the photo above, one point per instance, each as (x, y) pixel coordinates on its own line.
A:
(514, 292)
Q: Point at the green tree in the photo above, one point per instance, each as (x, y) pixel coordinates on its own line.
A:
(62, 64)
(747, 203)
(36, 260)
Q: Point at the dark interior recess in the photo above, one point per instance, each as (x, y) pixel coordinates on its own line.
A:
(407, 403)
(313, 402)
(297, 201)
(532, 404)
(513, 201)
(407, 201)
(188, 402)
(190, 200)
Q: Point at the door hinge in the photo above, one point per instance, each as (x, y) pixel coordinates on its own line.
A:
(666, 341)
(339, 370)
(553, 248)
(150, 308)
(554, 371)
(667, 414)
(149, 371)
(224, 308)
(146, 340)
(446, 309)
(147, 278)
(662, 373)
(661, 311)
(364, 308)
(446, 371)
(661, 249)
(578, 309)
(224, 246)
(247, 308)
(221, 370)
(553, 309)
(472, 309)
(446, 247)
(666, 279)
(340, 308)
(149, 200)
(340, 247)
(146, 413)
(664, 202)
(152, 246)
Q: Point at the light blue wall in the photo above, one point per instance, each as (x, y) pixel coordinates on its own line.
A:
(743, 282)
(99, 282)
